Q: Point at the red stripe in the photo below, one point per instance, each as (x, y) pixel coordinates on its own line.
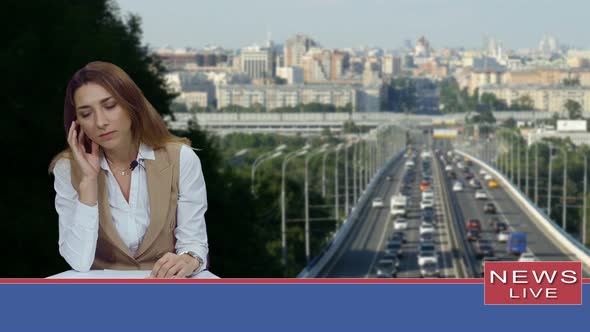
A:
(287, 281)
(242, 281)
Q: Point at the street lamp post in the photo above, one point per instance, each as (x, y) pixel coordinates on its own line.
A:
(336, 189)
(262, 158)
(346, 180)
(526, 175)
(564, 194)
(354, 173)
(585, 199)
(306, 195)
(518, 152)
(537, 174)
(324, 174)
(549, 183)
(283, 206)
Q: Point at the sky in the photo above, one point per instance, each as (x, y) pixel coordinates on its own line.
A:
(356, 23)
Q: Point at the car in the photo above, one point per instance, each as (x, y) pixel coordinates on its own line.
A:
(461, 166)
(474, 183)
(394, 248)
(428, 214)
(448, 168)
(389, 177)
(400, 224)
(473, 234)
(427, 256)
(474, 224)
(428, 194)
(483, 172)
(503, 236)
(489, 208)
(426, 203)
(488, 177)
(481, 194)
(468, 175)
(500, 226)
(527, 257)
(426, 246)
(385, 268)
(493, 221)
(378, 202)
(493, 184)
(398, 236)
(393, 257)
(488, 259)
(424, 185)
(458, 186)
(453, 175)
(426, 227)
(483, 248)
(427, 237)
(429, 270)
(516, 244)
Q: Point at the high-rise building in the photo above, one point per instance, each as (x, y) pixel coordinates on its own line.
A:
(391, 65)
(293, 75)
(295, 49)
(422, 48)
(258, 62)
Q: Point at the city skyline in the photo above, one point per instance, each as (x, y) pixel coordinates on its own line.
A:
(518, 24)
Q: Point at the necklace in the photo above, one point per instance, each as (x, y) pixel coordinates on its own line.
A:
(123, 171)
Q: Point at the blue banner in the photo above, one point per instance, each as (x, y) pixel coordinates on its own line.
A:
(272, 307)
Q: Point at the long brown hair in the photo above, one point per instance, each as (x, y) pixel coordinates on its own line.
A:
(147, 125)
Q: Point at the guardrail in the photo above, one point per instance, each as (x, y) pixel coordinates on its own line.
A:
(559, 236)
(319, 262)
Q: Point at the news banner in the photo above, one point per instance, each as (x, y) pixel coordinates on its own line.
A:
(535, 296)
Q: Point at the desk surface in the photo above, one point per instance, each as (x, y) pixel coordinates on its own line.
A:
(116, 274)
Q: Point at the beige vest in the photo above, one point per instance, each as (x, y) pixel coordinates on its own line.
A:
(162, 179)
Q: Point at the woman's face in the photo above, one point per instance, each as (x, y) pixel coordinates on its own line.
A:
(101, 117)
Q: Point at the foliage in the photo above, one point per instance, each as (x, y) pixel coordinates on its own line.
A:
(574, 109)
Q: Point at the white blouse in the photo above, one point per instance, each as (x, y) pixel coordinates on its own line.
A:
(78, 222)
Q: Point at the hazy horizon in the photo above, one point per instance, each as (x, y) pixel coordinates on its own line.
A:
(233, 24)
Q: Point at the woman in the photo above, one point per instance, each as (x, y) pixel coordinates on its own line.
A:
(129, 194)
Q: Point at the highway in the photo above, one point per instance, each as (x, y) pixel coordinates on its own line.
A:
(368, 239)
(367, 242)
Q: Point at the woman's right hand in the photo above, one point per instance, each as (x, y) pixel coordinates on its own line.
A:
(88, 162)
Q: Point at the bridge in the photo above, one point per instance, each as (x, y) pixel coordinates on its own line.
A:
(364, 238)
(314, 123)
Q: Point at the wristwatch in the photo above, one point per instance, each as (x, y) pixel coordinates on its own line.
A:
(195, 256)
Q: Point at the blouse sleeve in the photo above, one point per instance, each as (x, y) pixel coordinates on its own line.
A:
(191, 231)
(78, 222)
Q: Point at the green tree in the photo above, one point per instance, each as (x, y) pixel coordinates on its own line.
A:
(523, 103)
(574, 109)
(509, 123)
(45, 42)
(178, 108)
(571, 81)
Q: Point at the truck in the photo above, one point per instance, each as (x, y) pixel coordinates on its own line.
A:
(398, 205)
(516, 243)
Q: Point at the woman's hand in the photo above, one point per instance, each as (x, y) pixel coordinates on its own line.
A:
(88, 162)
(174, 266)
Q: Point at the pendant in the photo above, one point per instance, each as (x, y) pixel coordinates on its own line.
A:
(123, 173)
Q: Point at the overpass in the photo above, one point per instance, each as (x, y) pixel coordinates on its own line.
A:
(363, 240)
(314, 123)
